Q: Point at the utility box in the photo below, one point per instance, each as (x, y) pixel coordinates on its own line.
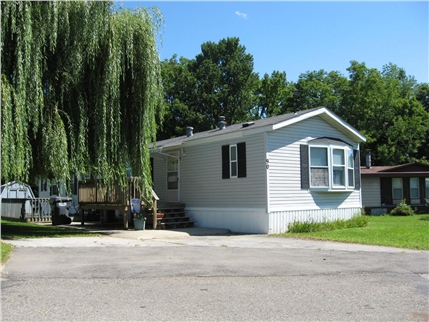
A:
(60, 210)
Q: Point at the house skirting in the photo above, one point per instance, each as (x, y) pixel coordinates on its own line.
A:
(238, 220)
(257, 221)
(280, 220)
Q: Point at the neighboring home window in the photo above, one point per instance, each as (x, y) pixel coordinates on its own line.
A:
(397, 188)
(234, 161)
(54, 190)
(44, 186)
(414, 188)
(427, 187)
(331, 167)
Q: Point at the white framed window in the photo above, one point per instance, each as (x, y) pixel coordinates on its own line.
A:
(397, 190)
(338, 168)
(414, 188)
(233, 161)
(350, 169)
(331, 167)
(172, 173)
(319, 169)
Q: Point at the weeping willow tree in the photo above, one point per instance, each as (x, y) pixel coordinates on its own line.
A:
(80, 90)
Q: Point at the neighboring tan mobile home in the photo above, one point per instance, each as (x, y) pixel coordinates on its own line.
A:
(384, 187)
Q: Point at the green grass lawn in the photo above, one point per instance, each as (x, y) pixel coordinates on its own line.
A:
(18, 230)
(395, 231)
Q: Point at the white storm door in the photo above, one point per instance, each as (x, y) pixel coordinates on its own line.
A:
(172, 179)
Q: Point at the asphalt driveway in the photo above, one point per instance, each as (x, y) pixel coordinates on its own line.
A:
(211, 275)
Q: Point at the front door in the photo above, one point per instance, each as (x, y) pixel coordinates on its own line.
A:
(172, 179)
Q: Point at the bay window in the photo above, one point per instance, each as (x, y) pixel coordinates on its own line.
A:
(329, 165)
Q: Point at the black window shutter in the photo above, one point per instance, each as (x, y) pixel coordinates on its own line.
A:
(225, 161)
(241, 152)
(305, 176)
(357, 169)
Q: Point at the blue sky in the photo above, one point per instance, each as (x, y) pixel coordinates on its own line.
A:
(297, 37)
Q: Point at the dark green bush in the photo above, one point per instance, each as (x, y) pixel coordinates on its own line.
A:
(402, 210)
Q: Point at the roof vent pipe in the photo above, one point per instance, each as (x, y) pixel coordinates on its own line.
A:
(368, 159)
(222, 123)
(189, 131)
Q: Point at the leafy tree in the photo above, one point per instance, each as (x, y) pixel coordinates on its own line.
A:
(382, 105)
(274, 93)
(179, 95)
(422, 95)
(319, 88)
(225, 82)
(80, 89)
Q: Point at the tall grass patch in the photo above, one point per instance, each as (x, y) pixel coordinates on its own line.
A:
(313, 226)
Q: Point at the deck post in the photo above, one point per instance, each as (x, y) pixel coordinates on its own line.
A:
(82, 217)
(125, 218)
(155, 216)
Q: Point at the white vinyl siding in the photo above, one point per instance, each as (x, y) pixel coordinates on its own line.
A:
(284, 176)
(160, 176)
(201, 183)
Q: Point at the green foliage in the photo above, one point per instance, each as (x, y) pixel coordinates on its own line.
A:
(6, 249)
(81, 89)
(424, 218)
(219, 82)
(313, 226)
(274, 93)
(319, 88)
(387, 106)
(402, 209)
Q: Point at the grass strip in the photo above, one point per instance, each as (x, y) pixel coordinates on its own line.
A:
(405, 232)
(6, 249)
(17, 230)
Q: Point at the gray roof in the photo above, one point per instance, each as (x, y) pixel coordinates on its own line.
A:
(233, 128)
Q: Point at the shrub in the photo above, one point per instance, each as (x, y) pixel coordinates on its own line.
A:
(402, 210)
(312, 226)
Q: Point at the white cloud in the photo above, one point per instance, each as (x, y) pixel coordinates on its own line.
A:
(240, 14)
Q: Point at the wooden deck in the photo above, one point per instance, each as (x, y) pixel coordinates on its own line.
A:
(94, 195)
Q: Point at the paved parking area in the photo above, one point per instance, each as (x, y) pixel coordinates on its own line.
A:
(211, 275)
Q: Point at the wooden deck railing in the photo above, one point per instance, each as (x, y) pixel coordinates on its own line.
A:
(93, 195)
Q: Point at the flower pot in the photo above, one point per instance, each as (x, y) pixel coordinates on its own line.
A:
(159, 215)
(139, 224)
